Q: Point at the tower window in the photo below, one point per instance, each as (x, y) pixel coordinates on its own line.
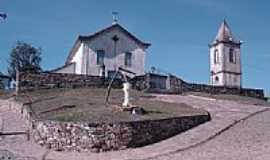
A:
(128, 57)
(232, 57)
(216, 79)
(216, 57)
(100, 57)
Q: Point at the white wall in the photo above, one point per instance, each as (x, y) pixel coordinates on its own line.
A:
(104, 42)
(230, 72)
(78, 58)
(68, 69)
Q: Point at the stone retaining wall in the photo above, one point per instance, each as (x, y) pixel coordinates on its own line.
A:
(23, 109)
(45, 80)
(106, 137)
(92, 137)
(149, 82)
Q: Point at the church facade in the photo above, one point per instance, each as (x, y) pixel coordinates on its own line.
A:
(102, 53)
(225, 59)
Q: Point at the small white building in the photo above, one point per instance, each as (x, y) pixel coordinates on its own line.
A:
(225, 59)
(4, 81)
(103, 52)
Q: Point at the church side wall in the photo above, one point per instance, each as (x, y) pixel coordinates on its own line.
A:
(78, 60)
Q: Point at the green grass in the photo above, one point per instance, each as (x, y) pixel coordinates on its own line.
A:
(90, 107)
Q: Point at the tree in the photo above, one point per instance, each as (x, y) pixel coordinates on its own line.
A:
(24, 57)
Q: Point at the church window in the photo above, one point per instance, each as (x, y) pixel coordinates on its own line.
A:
(216, 57)
(232, 57)
(100, 57)
(216, 79)
(128, 57)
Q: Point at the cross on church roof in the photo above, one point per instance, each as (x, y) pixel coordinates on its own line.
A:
(114, 14)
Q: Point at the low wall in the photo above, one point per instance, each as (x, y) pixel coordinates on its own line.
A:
(150, 82)
(191, 87)
(140, 82)
(106, 137)
(100, 137)
(176, 85)
(155, 83)
(44, 80)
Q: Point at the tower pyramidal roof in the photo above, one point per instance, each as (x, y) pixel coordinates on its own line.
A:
(225, 34)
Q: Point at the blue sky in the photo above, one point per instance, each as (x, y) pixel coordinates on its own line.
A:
(179, 30)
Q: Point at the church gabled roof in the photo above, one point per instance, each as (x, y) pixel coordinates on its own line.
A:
(225, 34)
(82, 38)
(116, 25)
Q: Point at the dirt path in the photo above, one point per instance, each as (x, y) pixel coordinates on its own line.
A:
(247, 140)
(19, 145)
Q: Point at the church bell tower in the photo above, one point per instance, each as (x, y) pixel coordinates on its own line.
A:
(225, 59)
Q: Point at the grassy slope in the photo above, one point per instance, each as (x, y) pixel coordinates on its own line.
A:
(90, 106)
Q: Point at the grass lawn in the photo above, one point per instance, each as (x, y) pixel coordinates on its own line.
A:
(88, 105)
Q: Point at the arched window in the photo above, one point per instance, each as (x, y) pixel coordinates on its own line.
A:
(128, 57)
(216, 57)
(232, 57)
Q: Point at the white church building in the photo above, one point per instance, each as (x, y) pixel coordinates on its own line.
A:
(225, 59)
(103, 52)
